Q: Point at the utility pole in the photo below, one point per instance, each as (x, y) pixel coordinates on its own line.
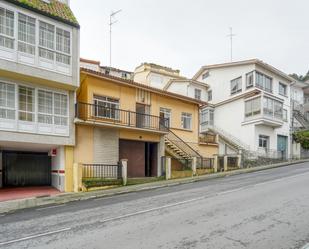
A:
(111, 23)
(231, 35)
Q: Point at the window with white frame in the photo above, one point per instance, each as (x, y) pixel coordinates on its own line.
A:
(285, 115)
(106, 107)
(46, 40)
(166, 114)
(6, 28)
(264, 142)
(197, 93)
(283, 89)
(26, 104)
(264, 82)
(253, 107)
(63, 46)
(7, 101)
(236, 85)
(26, 34)
(60, 109)
(45, 107)
(272, 108)
(205, 75)
(209, 95)
(249, 80)
(186, 121)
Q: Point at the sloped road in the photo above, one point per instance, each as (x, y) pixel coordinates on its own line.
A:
(266, 209)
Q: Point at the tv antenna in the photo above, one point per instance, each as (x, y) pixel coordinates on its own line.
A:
(231, 35)
(112, 21)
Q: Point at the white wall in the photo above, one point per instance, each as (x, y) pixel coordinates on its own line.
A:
(58, 167)
(219, 81)
(230, 116)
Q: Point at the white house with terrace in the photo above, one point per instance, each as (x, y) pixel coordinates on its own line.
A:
(39, 74)
(250, 107)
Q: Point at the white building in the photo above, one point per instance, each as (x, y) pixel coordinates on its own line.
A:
(39, 74)
(250, 106)
(96, 66)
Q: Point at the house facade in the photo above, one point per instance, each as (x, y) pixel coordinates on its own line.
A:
(122, 119)
(96, 66)
(39, 74)
(250, 107)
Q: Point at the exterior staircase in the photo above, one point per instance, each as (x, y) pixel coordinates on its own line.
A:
(229, 139)
(297, 114)
(178, 148)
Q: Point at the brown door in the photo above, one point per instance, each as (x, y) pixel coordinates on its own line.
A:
(134, 151)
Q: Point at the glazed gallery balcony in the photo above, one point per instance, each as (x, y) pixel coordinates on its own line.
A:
(113, 117)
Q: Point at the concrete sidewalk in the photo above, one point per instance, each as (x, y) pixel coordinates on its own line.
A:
(9, 206)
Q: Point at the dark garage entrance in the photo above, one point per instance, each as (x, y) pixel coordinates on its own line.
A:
(26, 169)
(142, 157)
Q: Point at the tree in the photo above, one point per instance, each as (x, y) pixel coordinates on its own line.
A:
(302, 78)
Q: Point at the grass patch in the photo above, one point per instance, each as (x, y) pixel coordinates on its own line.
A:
(135, 181)
(101, 182)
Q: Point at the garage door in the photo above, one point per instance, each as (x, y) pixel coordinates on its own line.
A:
(26, 169)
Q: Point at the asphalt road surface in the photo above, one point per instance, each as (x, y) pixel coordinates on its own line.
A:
(266, 209)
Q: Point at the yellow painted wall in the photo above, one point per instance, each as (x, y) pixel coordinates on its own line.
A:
(139, 136)
(83, 151)
(127, 99)
(69, 160)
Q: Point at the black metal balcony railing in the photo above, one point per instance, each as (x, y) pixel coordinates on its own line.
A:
(108, 115)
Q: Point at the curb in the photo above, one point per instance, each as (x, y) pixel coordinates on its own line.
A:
(10, 206)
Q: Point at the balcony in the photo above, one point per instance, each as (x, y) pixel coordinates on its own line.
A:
(265, 111)
(112, 117)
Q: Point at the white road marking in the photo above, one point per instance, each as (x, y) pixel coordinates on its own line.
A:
(305, 247)
(231, 191)
(152, 209)
(38, 209)
(34, 236)
(280, 179)
(114, 196)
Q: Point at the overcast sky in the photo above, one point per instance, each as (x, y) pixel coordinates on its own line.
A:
(186, 34)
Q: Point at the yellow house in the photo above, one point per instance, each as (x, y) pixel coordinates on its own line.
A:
(121, 119)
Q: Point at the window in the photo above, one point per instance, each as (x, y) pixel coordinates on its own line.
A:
(263, 142)
(207, 117)
(285, 115)
(7, 101)
(252, 107)
(249, 80)
(26, 34)
(45, 107)
(273, 108)
(205, 75)
(236, 85)
(263, 82)
(46, 41)
(186, 121)
(197, 93)
(282, 89)
(63, 46)
(106, 107)
(124, 75)
(278, 110)
(60, 109)
(6, 28)
(26, 103)
(166, 113)
(209, 95)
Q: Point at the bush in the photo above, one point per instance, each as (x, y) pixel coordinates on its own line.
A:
(302, 137)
